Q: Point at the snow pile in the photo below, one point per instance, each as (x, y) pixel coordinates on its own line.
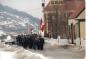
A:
(15, 52)
(6, 55)
(63, 41)
(52, 42)
(2, 33)
(56, 42)
(5, 47)
(25, 54)
(8, 39)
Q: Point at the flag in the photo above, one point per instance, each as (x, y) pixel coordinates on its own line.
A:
(31, 28)
(42, 25)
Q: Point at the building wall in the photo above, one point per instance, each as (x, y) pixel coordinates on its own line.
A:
(81, 22)
(80, 40)
(56, 26)
(82, 30)
(58, 12)
(77, 30)
(56, 20)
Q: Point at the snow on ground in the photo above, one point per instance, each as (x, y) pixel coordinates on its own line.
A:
(56, 42)
(14, 52)
(55, 51)
(6, 55)
(2, 33)
(51, 51)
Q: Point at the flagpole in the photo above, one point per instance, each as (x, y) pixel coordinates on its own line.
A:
(43, 5)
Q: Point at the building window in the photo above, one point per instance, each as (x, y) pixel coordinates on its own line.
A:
(52, 2)
(56, 2)
(53, 17)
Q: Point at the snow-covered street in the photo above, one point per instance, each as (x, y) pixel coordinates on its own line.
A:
(49, 52)
(42, 29)
(56, 52)
(61, 53)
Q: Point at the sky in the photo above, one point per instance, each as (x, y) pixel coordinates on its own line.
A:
(32, 7)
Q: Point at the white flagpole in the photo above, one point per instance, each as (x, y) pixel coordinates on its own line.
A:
(43, 5)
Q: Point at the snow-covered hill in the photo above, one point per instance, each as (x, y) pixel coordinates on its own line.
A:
(12, 20)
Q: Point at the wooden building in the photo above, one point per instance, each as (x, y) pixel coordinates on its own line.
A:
(81, 28)
(60, 18)
(74, 8)
(55, 19)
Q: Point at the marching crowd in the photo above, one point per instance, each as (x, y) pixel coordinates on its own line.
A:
(33, 41)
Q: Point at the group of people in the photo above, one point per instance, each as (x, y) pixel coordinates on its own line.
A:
(33, 41)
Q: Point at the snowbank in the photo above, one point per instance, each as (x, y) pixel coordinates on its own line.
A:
(56, 41)
(14, 52)
(82, 41)
(25, 54)
(2, 33)
(9, 39)
(6, 55)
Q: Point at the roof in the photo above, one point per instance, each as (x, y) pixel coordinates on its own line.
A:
(81, 15)
(74, 7)
(50, 7)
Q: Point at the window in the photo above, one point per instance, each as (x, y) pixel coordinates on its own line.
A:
(56, 2)
(52, 2)
(53, 17)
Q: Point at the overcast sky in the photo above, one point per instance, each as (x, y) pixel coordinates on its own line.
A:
(32, 7)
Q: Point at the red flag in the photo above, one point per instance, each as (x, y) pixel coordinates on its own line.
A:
(31, 28)
(42, 25)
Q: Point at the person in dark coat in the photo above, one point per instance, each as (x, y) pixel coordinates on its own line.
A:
(18, 40)
(41, 43)
(35, 43)
(28, 41)
(25, 41)
(31, 42)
